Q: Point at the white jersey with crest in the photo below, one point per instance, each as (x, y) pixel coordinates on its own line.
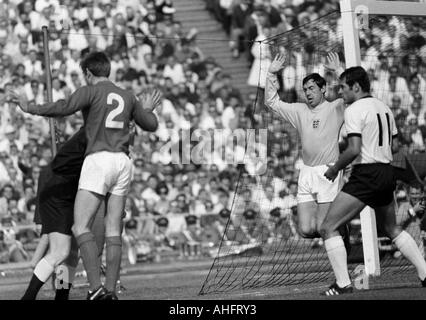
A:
(373, 121)
(318, 127)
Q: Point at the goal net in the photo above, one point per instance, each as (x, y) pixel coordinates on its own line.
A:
(260, 247)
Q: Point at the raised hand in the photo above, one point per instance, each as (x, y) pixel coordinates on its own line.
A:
(278, 63)
(419, 208)
(333, 61)
(151, 99)
(19, 99)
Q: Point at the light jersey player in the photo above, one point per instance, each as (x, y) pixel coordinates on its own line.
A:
(107, 112)
(318, 123)
(371, 131)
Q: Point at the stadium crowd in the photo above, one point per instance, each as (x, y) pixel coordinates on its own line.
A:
(172, 204)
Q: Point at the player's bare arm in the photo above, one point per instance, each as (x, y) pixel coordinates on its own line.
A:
(343, 144)
(395, 144)
(272, 99)
(77, 101)
(349, 155)
(333, 64)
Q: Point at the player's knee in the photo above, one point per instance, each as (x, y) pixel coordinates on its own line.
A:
(78, 230)
(324, 231)
(392, 231)
(306, 231)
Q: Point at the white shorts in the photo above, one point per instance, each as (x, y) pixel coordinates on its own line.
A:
(106, 172)
(313, 186)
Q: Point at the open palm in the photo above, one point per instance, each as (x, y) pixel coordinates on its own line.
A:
(19, 99)
(151, 99)
(333, 61)
(278, 63)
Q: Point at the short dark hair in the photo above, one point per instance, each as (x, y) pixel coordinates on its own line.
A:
(416, 185)
(356, 74)
(97, 63)
(320, 81)
(293, 182)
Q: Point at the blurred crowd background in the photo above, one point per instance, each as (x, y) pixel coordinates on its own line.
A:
(184, 208)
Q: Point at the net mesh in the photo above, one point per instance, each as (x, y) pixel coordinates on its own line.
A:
(260, 246)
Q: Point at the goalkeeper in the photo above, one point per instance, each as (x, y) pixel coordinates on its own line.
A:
(58, 184)
(318, 123)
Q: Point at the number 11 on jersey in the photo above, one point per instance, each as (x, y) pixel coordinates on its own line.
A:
(379, 120)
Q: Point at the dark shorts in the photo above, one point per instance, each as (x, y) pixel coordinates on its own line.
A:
(55, 202)
(373, 184)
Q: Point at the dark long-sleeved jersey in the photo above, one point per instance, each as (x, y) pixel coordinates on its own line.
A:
(107, 112)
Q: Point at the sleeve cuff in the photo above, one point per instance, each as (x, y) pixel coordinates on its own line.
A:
(354, 134)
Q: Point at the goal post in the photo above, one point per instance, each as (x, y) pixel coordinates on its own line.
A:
(52, 126)
(355, 15)
(278, 256)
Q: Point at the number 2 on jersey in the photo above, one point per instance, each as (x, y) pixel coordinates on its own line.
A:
(110, 122)
(379, 120)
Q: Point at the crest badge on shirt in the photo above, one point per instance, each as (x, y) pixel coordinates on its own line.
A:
(315, 124)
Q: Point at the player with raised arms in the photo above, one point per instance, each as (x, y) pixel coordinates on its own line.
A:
(105, 176)
(318, 123)
(372, 138)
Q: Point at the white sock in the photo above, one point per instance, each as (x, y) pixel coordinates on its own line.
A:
(409, 249)
(43, 270)
(337, 255)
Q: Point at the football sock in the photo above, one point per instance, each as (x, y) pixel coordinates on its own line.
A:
(113, 260)
(409, 249)
(338, 259)
(98, 231)
(42, 272)
(89, 254)
(63, 294)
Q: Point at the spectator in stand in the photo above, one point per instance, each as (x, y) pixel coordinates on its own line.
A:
(410, 213)
(254, 227)
(128, 31)
(279, 225)
(163, 204)
(240, 13)
(150, 191)
(417, 141)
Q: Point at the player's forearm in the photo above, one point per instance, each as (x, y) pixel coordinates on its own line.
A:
(50, 109)
(395, 144)
(345, 159)
(272, 99)
(77, 101)
(338, 71)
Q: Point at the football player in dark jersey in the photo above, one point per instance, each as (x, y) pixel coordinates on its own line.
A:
(57, 187)
(107, 112)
